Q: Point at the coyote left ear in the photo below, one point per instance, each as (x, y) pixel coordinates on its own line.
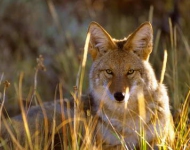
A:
(140, 42)
(100, 41)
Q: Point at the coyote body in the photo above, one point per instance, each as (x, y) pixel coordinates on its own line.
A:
(129, 103)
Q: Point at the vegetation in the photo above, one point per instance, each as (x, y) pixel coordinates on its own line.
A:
(57, 30)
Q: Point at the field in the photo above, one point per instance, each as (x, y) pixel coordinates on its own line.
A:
(42, 47)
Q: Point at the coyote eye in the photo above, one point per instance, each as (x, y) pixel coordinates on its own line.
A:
(108, 71)
(131, 71)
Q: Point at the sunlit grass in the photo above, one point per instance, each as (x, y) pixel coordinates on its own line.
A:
(78, 140)
(84, 141)
(71, 129)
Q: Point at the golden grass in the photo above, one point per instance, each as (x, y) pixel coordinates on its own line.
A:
(79, 141)
(83, 142)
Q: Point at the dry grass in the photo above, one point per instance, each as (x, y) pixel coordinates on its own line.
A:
(74, 139)
(175, 73)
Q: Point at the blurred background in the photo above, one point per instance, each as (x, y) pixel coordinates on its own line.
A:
(57, 30)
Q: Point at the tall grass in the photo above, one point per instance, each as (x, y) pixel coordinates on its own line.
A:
(77, 139)
(71, 129)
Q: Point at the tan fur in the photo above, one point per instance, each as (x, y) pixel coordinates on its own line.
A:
(124, 93)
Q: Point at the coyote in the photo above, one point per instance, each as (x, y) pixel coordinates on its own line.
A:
(129, 104)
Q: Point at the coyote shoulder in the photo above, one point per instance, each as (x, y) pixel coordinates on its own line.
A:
(129, 104)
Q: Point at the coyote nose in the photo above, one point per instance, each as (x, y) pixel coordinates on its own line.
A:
(119, 96)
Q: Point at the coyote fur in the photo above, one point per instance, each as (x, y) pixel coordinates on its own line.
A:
(129, 104)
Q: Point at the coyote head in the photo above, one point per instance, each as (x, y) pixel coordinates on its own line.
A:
(120, 68)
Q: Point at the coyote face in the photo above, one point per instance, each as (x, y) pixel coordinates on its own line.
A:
(120, 68)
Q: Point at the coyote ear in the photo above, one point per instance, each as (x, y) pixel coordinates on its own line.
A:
(140, 42)
(100, 40)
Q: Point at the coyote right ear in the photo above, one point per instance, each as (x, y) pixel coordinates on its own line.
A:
(140, 41)
(100, 40)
